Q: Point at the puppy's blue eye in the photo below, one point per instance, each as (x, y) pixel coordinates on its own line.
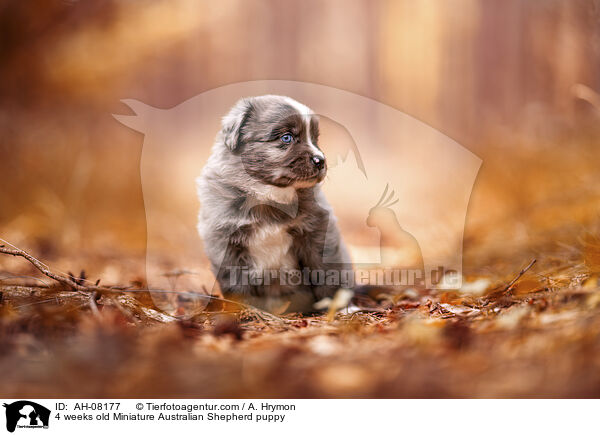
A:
(287, 138)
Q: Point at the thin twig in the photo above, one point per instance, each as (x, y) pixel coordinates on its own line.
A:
(6, 278)
(518, 277)
(42, 267)
(93, 290)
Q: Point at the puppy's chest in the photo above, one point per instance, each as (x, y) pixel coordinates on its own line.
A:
(270, 246)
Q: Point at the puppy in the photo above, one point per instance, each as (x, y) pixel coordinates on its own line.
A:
(268, 230)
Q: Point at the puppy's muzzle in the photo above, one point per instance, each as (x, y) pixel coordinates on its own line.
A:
(318, 162)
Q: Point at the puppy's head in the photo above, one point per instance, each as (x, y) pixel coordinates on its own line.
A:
(276, 138)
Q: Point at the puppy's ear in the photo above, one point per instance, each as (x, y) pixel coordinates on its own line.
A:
(233, 123)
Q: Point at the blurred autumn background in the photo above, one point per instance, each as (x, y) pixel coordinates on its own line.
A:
(513, 81)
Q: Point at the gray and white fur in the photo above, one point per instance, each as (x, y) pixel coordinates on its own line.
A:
(262, 209)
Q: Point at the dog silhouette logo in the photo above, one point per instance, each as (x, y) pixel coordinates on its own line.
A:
(26, 414)
(417, 226)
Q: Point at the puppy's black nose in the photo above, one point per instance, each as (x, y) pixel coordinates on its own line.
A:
(318, 161)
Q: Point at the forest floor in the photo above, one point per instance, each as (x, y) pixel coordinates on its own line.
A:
(539, 337)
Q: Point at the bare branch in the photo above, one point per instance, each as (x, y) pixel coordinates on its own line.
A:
(94, 290)
(518, 277)
(42, 267)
